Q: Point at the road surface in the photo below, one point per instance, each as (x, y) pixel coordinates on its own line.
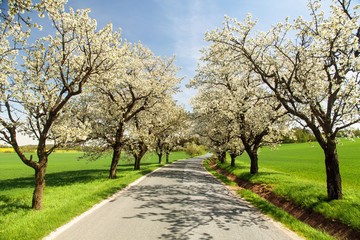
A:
(178, 201)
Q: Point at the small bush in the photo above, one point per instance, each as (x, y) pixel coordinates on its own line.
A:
(194, 150)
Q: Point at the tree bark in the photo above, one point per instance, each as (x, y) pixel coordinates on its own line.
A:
(159, 150)
(137, 163)
(252, 151)
(222, 157)
(254, 165)
(37, 201)
(167, 154)
(117, 148)
(115, 160)
(159, 156)
(142, 150)
(40, 172)
(333, 178)
(253, 155)
(233, 158)
(332, 169)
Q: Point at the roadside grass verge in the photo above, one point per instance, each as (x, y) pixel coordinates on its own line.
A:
(72, 187)
(269, 209)
(297, 172)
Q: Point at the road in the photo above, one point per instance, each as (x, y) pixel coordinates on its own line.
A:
(178, 201)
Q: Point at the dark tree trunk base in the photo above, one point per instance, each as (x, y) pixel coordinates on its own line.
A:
(254, 165)
(114, 162)
(159, 157)
(137, 164)
(233, 158)
(167, 154)
(37, 201)
(333, 178)
(222, 157)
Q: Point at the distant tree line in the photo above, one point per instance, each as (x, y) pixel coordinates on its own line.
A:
(301, 135)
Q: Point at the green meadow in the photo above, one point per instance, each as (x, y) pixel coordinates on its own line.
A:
(72, 187)
(271, 210)
(297, 172)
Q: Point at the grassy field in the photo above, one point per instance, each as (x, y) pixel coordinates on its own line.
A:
(297, 171)
(72, 187)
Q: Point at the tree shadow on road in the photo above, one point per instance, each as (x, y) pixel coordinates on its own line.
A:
(192, 205)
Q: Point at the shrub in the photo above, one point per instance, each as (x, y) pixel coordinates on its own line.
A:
(194, 150)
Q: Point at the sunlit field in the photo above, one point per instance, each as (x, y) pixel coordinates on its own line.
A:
(6, 150)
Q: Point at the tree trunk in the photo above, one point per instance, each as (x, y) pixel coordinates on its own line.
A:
(254, 167)
(37, 201)
(159, 156)
(253, 155)
(167, 154)
(114, 161)
(233, 158)
(117, 147)
(252, 151)
(222, 157)
(333, 178)
(40, 171)
(159, 150)
(137, 163)
(142, 150)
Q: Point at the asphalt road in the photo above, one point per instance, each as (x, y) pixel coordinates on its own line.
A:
(178, 201)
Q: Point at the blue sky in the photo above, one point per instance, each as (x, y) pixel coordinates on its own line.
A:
(177, 27)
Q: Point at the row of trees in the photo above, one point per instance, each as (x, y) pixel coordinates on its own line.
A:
(84, 85)
(251, 83)
(81, 84)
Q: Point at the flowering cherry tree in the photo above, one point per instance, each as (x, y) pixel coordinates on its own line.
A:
(139, 82)
(138, 137)
(15, 29)
(311, 67)
(169, 124)
(216, 130)
(235, 97)
(157, 128)
(35, 97)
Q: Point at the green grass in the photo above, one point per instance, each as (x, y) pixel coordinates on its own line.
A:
(72, 187)
(276, 213)
(297, 171)
(284, 217)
